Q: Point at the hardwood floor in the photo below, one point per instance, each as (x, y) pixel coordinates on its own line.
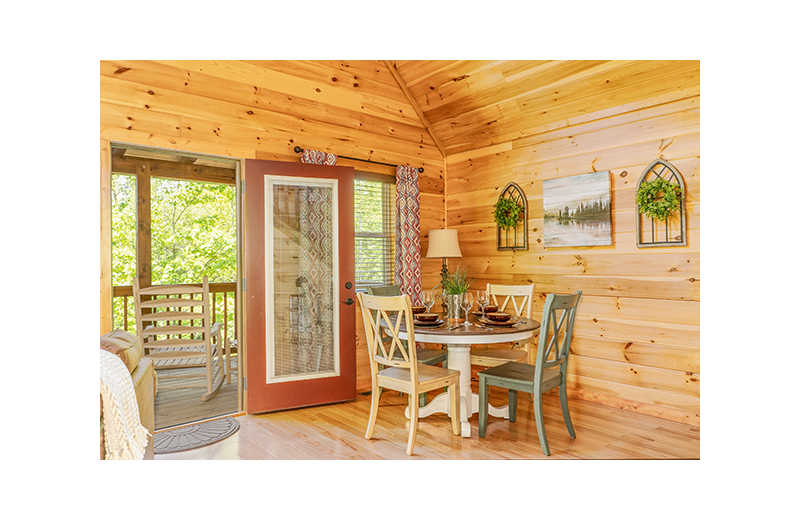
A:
(336, 432)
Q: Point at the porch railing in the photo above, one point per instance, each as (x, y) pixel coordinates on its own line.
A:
(223, 308)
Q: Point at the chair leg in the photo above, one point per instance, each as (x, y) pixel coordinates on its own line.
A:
(530, 362)
(373, 410)
(483, 405)
(538, 410)
(455, 407)
(423, 399)
(413, 414)
(512, 405)
(562, 394)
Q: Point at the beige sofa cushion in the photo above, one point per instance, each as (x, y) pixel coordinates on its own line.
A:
(125, 345)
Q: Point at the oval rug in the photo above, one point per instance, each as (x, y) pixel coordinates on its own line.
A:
(194, 436)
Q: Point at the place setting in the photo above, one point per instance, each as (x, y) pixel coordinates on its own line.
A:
(490, 315)
(423, 316)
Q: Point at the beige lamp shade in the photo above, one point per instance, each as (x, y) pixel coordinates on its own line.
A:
(443, 243)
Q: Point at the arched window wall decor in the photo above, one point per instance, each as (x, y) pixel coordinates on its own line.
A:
(651, 232)
(514, 238)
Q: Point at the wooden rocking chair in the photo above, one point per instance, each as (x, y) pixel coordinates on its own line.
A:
(175, 326)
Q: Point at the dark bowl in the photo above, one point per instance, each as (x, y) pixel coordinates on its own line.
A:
(427, 316)
(490, 308)
(498, 316)
(417, 309)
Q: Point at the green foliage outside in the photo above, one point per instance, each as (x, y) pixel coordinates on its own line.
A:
(374, 234)
(193, 233)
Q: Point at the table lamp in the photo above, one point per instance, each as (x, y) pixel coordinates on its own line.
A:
(443, 243)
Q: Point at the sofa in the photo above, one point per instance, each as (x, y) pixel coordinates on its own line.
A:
(129, 349)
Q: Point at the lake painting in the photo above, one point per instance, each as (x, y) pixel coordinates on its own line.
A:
(577, 210)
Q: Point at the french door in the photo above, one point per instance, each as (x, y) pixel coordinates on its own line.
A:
(299, 286)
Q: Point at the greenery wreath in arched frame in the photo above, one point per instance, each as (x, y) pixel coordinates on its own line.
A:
(660, 207)
(511, 216)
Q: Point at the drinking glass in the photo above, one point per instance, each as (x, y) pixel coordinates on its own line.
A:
(483, 301)
(428, 300)
(466, 304)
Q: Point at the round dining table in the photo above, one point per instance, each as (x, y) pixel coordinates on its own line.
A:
(459, 338)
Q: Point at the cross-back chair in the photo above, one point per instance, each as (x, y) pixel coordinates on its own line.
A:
(426, 356)
(550, 370)
(175, 326)
(402, 371)
(513, 299)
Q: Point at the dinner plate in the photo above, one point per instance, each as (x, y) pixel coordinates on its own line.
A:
(428, 323)
(486, 321)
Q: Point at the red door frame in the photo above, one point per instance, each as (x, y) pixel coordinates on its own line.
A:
(260, 396)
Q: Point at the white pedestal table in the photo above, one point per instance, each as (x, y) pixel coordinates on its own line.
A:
(458, 341)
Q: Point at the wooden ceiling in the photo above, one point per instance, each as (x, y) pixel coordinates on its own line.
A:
(471, 104)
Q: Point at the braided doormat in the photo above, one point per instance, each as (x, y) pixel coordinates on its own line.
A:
(194, 436)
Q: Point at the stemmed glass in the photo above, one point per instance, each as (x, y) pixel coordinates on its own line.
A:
(483, 301)
(428, 300)
(466, 304)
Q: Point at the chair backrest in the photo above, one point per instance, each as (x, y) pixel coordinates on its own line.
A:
(174, 315)
(555, 334)
(384, 290)
(519, 296)
(394, 311)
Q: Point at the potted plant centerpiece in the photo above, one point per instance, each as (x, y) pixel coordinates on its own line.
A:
(453, 288)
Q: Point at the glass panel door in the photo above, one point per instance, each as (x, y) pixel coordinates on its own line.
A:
(299, 287)
(302, 300)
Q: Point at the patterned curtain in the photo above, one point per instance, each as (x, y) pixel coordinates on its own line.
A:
(318, 157)
(407, 250)
(315, 312)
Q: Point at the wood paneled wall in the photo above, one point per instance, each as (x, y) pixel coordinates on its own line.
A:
(637, 339)
(262, 110)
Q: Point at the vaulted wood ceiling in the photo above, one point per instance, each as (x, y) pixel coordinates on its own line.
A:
(471, 104)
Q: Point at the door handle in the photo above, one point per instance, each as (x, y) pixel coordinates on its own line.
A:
(348, 301)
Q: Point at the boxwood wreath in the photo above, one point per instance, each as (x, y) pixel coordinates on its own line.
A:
(507, 213)
(655, 206)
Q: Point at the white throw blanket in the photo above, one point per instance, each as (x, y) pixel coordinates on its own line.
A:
(125, 437)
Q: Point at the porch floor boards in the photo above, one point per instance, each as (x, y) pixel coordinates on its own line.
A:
(177, 406)
(337, 432)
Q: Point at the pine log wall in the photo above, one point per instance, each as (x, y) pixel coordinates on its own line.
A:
(262, 110)
(637, 338)
(636, 343)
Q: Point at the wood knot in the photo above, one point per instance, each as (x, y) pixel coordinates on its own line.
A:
(623, 174)
(122, 70)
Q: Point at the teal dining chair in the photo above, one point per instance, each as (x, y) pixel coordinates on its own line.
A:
(550, 370)
(426, 356)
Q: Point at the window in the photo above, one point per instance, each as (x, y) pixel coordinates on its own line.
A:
(374, 230)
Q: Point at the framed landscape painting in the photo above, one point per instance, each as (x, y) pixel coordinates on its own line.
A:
(577, 210)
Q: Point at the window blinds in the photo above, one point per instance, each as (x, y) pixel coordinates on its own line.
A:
(374, 232)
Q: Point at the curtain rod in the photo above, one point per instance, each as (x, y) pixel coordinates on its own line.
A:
(297, 149)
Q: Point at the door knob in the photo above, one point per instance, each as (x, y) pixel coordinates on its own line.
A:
(348, 301)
